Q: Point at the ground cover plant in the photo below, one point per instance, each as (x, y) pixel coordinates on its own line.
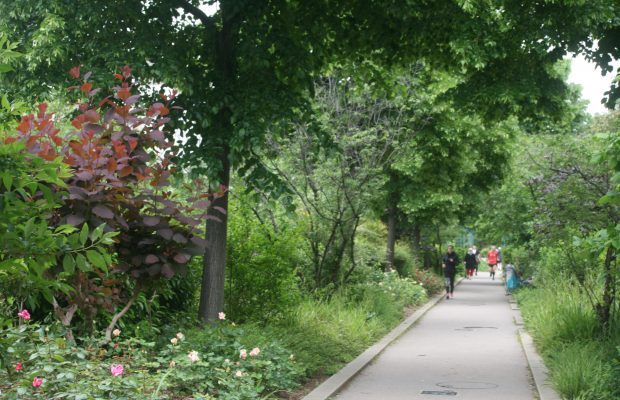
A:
(39, 363)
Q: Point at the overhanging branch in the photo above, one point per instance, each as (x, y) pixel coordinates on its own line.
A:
(195, 11)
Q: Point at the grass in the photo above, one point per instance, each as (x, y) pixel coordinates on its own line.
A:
(583, 362)
(324, 335)
(580, 370)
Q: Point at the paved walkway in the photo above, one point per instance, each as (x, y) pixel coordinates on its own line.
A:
(463, 348)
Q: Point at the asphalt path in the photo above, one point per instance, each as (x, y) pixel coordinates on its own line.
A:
(463, 348)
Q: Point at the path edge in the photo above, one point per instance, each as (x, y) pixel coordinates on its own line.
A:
(537, 368)
(334, 383)
(535, 363)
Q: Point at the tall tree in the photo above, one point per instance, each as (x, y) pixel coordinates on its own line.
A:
(250, 65)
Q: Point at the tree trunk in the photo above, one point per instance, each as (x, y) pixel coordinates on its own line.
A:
(604, 308)
(214, 267)
(391, 236)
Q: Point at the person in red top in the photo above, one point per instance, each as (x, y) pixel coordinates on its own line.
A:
(492, 259)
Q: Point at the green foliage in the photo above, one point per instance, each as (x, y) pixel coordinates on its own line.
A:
(558, 315)
(110, 177)
(582, 371)
(262, 265)
(404, 261)
(323, 336)
(370, 244)
(9, 110)
(583, 362)
(31, 194)
(387, 294)
(431, 282)
(217, 369)
(326, 334)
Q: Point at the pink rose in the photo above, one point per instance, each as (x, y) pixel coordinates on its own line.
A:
(255, 351)
(221, 316)
(117, 369)
(193, 356)
(24, 314)
(243, 354)
(36, 382)
(19, 367)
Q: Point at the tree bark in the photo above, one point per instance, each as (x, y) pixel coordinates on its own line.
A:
(65, 315)
(108, 332)
(604, 308)
(214, 265)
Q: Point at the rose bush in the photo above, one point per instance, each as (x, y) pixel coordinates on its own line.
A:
(39, 363)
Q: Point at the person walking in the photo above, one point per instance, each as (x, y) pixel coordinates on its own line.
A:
(492, 261)
(470, 262)
(477, 254)
(450, 261)
(499, 260)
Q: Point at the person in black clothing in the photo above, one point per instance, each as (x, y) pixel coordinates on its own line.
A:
(470, 263)
(450, 261)
(477, 254)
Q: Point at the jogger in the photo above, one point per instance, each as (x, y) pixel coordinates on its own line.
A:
(450, 261)
(492, 261)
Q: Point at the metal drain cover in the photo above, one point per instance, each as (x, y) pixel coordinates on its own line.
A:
(467, 385)
(439, 392)
(471, 328)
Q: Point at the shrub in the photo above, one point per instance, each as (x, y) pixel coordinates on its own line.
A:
(387, 288)
(404, 261)
(118, 156)
(370, 245)
(38, 363)
(261, 265)
(431, 282)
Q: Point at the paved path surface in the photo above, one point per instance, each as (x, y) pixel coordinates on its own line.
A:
(463, 348)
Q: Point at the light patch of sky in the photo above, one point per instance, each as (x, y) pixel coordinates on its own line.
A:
(210, 9)
(593, 84)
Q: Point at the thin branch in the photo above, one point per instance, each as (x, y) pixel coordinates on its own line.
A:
(119, 315)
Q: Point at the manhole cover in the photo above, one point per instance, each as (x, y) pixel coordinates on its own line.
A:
(480, 327)
(467, 385)
(471, 328)
(439, 392)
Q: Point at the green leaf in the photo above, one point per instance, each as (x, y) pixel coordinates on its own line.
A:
(82, 263)
(5, 68)
(58, 358)
(96, 259)
(65, 229)
(84, 234)
(7, 180)
(68, 263)
(47, 193)
(97, 233)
